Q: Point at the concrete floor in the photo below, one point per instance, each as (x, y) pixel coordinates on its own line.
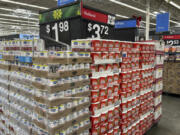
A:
(170, 121)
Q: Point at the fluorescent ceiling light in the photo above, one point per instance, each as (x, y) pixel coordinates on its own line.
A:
(173, 4)
(23, 27)
(137, 9)
(7, 9)
(19, 17)
(129, 6)
(155, 12)
(126, 5)
(174, 22)
(13, 20)
(122, 16)
(3, 22)
(162, 11)
(150, 23)
(24, 4)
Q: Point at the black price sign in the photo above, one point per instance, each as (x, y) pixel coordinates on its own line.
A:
(97, 30)
(57, 28)
(59, 31)
(173, 42)
(74, 22)
(92, 29)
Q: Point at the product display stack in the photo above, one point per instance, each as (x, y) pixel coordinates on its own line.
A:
(4, 82)
(158, 80)
(146, 87)
(136, 87)
(105, 84)
(43, 92)
(130, 88)
(16, 91)
(61, 93)
(133, 75)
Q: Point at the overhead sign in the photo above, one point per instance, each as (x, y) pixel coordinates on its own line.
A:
(171, 37)
(60, 13)
(65, 2)
(75, 21)
(162, 22)
(125, 24)
(97, 16)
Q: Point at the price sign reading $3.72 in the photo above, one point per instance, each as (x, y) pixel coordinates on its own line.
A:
(98, 30)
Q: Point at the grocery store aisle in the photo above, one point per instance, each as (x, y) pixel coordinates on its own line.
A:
(170, 121)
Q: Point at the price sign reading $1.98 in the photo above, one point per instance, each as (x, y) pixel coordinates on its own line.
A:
(57, 29)
(98, 30)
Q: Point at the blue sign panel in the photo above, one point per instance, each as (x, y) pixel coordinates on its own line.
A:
(64, 2)
(162, 22)
(28, 37)
(125, 24)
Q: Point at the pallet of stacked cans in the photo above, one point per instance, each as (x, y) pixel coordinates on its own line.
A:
(4, 91)
(16, 91)
(43, 92)
(130, 81)
(136, 88)
(158, 79)
(105, 84)
(133, 90)
(159, 65)
(146, 87)
(61, 85)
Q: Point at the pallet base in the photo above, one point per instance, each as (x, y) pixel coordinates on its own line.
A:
(171, 94)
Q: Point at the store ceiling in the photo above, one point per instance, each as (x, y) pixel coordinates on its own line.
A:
(7, 8)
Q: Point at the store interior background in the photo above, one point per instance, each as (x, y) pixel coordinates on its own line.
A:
(22, 17)
(26, 12)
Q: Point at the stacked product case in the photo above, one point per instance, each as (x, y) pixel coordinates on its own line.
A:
(158, 79)
(47, 92)
(16, 90)
(135, 81)
(62, 93)
(171, 76)
(105, 84)
(137, 96)
(43, 92)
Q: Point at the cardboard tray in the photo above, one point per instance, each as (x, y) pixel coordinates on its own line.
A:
(28, 129)
(58, 75)
(58, 88)
(22, 92)
(78, 132)
(81, 130)
(57, 102)
(27, 117)
(5, 77)
(8, 57)
(22, 69)
(48, 60)
(52, 131)
(5, 67)
(59, 115)
(3, 85)
(21, 103)
(23, 81)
